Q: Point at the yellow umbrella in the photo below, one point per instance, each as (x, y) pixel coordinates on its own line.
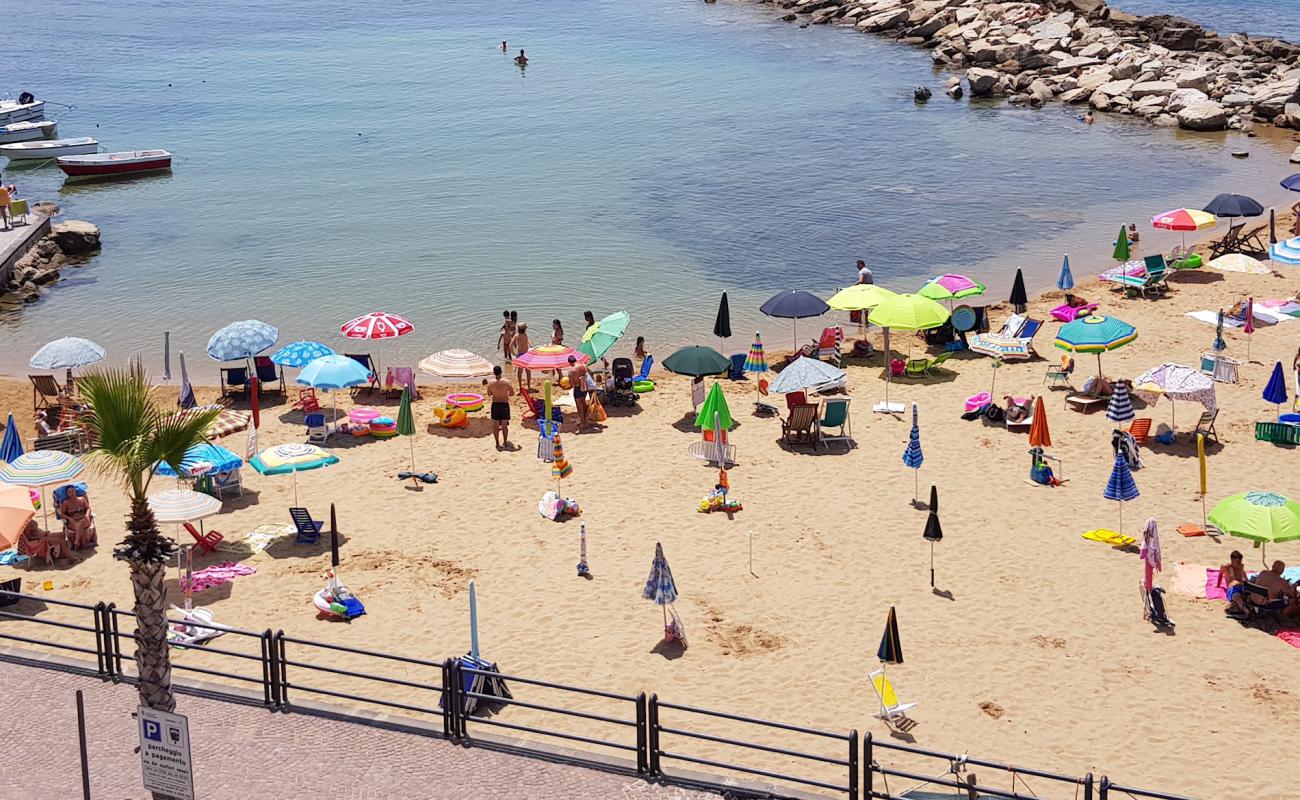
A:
(1239, 262)
(859, 297)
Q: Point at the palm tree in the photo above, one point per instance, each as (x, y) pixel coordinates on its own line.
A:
(134, 432)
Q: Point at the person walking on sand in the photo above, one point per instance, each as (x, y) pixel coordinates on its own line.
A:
(499, 392)
(521, 345)
(578, 381)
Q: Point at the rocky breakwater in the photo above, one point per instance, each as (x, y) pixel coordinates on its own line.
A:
(70, 243)
(1164, 69)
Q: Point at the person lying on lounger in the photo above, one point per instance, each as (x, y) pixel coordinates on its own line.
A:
(1017, 412)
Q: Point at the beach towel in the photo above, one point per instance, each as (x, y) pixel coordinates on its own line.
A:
(1189, 580)
(216, 575)
(1291, 637)
(1212, 317)
(260, 538)
(1110, 537)
(1213, 591)
(11, 558)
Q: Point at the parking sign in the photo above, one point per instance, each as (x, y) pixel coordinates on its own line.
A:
(165, 753)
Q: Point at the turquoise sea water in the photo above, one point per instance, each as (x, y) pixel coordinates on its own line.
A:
(337, 158)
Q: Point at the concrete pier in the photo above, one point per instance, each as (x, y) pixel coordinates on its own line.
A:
(15, 242)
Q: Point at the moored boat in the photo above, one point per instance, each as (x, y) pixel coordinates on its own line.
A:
(121, 163)
(27, 131)
(48, 148)
(17, 111)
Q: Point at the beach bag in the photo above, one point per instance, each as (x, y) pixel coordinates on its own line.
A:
(595, 411)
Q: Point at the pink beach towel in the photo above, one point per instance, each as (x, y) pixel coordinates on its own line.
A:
(1291, 637)
(216, 575)
(1213, 591)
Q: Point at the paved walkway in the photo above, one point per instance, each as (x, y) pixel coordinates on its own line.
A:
(243, 752)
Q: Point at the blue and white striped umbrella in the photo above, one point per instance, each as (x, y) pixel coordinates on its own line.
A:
(41, 468)
(300, 354)
(659, 587)
(1066, 280)
(912, 456)
(12, 446)
(67, 353)
(1121, 486)
(240, 340)
(1120, 408)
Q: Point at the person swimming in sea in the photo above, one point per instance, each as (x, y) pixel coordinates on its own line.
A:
(521, 59)
(504, 46)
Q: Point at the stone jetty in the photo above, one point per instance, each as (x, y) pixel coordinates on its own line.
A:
(1165, 69)
(69, 243)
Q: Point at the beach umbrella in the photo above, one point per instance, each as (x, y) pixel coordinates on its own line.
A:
(292, 458)
(473, 621)
(1233, 205)
(583, 568)
(1262, 517)
(1039, 435)
(1239, 262)
(1095, 334)
(560, 466)
(183, 505)
(334, 543)
(756, 362)
(1180, 219)
(41, 468)
(549, 357)
(406, 423)
(599, 338)
(1176, 382)
(660, 588)
(1219, 343)
(1121, 252)
(1121, 487)
(200, 458)
(933, 530)
(1065, 282)
(697, 361)
(794, 304)
(1019, 298)
(1272, 226)
(376, 325)
(1292, 182)
(912, 455)
(1249, 327)
(909, 312)
(167, 356)
(333, 372)
(803, 373)
(891, 646)
(12, 446)
(934, 498)
(67, 353)
(1150, 552)
(714, 408)
(253, 386)
(1204, 487)
(456, 364)
(185, 397)
(859, 297)
(16, 510)
(242, 340)
(1287, 252)
(951, 287)
(1274, 392)
(1120, 408)
(300, 354)
(722, 323)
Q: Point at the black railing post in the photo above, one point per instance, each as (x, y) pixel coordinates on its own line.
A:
(1103, 788)
(114, 649)
(270, 693)
(282, 678)
(652, 736)
(642, 757)
(101, 654)
(462, 710)
(868, 782)
(853, 765)
(1087, 786)
(449, 727)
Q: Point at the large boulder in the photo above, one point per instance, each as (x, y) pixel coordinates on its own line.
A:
(981, 81)
(1291, 112)
(886, 20)
(1087, 8)
(1192, 79)
(1115, 88)
(1149, 88)
(76, 237)
(1203, 115)
(1185, 97)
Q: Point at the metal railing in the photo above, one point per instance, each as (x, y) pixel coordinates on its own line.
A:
(451, 691)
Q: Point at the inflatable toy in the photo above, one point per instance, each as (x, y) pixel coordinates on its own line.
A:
(643, 386)
(468, 401)
(451, 417)
(383, 427)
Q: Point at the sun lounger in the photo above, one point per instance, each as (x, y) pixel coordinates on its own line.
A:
(1085, 404)
(890, 707)
(206, 542)
(1015, 346)
(308, 528)
(45, 389)
(1237, 240)
(1110, 537)
(835, 414)
(707, 450)
(1277, 432)
(63, 441)
(800, 425)
(1219, 367)
(1152, 280)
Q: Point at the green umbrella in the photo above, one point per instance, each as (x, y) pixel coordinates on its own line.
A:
(406, 422)
(697, 361)
(597, 340)
(715, 403)
(1263, 517)
(909, 312)
(1121, 245)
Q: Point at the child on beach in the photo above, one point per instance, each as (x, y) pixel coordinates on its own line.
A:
(506, 339)
(5, 195)
(640, 351)
(557, 332)
(521, 345)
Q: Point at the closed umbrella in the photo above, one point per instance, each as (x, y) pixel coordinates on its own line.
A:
(1219, 343)
(560, 466)
(1065, 282)
(804, 373)
(912, 455)
(300, 354)
(1121, 487)
(1039, 435)
(933, 531)
(1274, 392)
(1150, 552)
(167, 356)
(1233, 205)
(1095, 334)
(697, 361)
(12, 446)
(406, 423)
(891, 646)
(185, 398)
(41, 468)
(714, 408)
(1249, 327)
(292, 458)
(1019, 298)
(794, 304)
(599, 338)
(756, 362)
(1121, 252)
(722, 323)
(660, 588)
(934, 498)
(1262, 517)
(1120, 408)
(242, 340)
(456, 364)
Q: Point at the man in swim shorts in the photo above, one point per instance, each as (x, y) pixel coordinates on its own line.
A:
(1232, 577)
(578, 381)
(500, 391)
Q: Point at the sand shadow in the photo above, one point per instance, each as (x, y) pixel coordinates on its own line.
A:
(288, 546)
(622, 410)
(1193, 277)
(24, 607)
(202, 597)
(901, 730)
(476, 429)
(248, 499)
(670, 650)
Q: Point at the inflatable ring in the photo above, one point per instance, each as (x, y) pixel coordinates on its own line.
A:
(451, 417)
(468, 401)
(641, 387)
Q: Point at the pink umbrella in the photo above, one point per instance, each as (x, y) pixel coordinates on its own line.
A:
(377, 325)
(549, 356)
(1250, 324)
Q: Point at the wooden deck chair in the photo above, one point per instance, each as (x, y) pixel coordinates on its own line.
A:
(890, 708)
(1205, 425)
(206, 542)
(835, 414)
(1141, 429)
(800, 425)
(44, 389)
(1228, 243)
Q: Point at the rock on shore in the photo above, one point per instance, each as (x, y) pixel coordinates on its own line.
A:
(70, 242)
(1083, 52)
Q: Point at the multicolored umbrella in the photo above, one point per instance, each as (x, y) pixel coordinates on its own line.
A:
(41, 468)
(599, 338)
(1121, 252)
(1065, 282)
(1039, 435)
(456, 364)
(548, 357)
(714, 406)
(1262, 517)
(16, 510)
(183, 505)
(1183, 219)
(300, 354)
(1120, 408)
(12, 446)
(377, 325)
(1095, 334)
(891, 646)
(560, 466)
(1274, 392)
(951, 287)
(912, 455)
(1287, 252)
(1121, 487)
(660, 588)
(756, 362)
(1176, 382)
(201, 459)
(241, 340)
(292, 458)
(697, 361)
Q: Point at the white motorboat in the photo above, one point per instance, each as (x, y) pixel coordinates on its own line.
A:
(14, 111)
(48, 148)
(27, 131)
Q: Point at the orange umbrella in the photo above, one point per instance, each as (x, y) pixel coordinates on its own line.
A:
(16, 511)
(1039, 436)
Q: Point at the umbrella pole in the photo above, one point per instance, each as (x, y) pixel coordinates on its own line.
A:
(294, 473)
(1099, 375)
(665, 610)
(916, 485)
(45, 510)
(1121, 518)
(931, 563)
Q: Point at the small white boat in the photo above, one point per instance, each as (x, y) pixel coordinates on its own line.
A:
(27, 131)
(121, 163)
(49, 148)
(14, 111)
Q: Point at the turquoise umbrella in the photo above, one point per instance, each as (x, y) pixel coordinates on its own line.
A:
(597, 339)
(1095, 334)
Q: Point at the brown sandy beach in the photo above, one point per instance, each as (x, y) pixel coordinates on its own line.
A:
(1033, 651)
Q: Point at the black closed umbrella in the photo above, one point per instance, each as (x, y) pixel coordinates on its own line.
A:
(722, 325)
(1019, 298)
(933, 530)
(1233, 205)
(934, 499)
(891, 646)
(334, 542)
(794, 304)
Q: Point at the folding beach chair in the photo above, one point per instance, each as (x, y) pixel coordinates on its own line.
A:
(1205, 425)
(800, 425)
(1153, 607)
(1140, 429)
(228, 481)
(707, 450)
(644, 374)
(308, 528)
(736, 372)
(835, 414)
(268, 372)
(890, 708)
(920, 367)
(1228, 243)
(366, 361)
(1060, 376)
(44, 389)
(233, 378)
(206, 542)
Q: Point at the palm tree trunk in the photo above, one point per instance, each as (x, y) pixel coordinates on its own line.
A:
(147, 551)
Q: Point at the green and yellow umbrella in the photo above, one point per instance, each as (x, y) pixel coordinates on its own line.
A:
(909, 312)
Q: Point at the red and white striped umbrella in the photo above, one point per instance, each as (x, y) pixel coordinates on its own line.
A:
(377, 325)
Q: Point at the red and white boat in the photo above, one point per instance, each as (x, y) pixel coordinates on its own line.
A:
(121, 163)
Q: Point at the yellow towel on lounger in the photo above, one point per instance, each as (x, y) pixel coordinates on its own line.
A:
(1110, 537)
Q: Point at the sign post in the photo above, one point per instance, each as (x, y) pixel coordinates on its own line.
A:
(165, 753)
